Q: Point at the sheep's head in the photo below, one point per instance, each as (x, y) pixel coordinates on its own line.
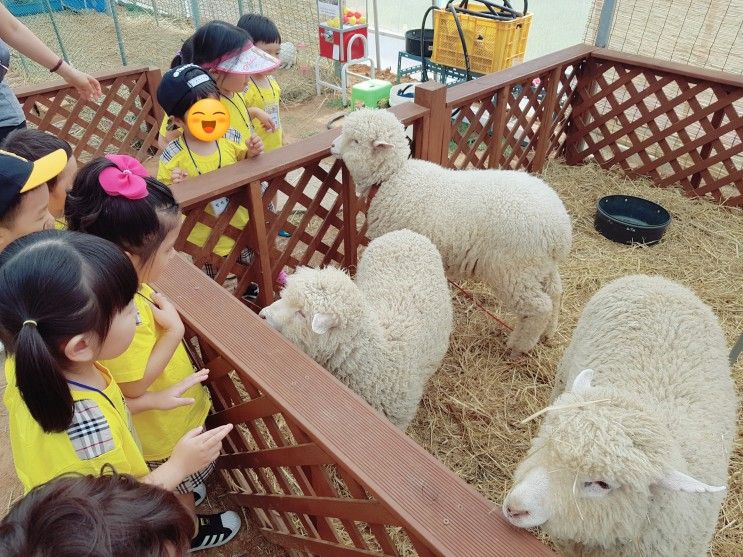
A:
(591, 471)
(373, 145)
(318, 310)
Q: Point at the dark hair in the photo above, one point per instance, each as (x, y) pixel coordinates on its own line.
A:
(172, 97)
(68, 284)
(135, 225)
(210, 42)
(260, 28)
(33, 144)
(108, 516)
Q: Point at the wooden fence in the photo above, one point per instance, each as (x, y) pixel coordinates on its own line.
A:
(337, 479)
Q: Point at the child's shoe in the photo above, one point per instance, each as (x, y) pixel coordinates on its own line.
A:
(199, 494)
(215, 530)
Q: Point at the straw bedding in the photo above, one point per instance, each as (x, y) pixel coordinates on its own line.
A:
(470, 415)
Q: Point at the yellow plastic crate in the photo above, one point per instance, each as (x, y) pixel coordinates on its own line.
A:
(491, 45)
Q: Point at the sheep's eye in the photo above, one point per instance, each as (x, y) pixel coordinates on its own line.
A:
(601, 484)
(356, 141)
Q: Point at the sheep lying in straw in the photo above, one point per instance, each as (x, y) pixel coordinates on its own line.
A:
(632, 458)
(383, 334)
(507, 228)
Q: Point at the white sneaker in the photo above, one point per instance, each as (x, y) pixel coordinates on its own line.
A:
(215, 530)
(199, 494)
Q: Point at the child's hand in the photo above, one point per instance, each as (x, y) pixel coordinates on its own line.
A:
(178, 175)
(166, 315)
(265, 120)
(170, 398)
(255, 146)
(196, 450)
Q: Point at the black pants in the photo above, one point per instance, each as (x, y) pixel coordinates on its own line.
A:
(5, 130)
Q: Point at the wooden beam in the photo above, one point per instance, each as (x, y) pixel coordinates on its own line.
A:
(307, 454)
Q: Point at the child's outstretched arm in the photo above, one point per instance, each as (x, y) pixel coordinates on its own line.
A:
(169, 398)
(263, 117)
(195, 450)
(172, 327)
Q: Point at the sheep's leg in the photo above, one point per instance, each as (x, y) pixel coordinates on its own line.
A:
(534, 308)
(553, 288)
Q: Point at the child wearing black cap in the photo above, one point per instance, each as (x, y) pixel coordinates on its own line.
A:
(24, 194)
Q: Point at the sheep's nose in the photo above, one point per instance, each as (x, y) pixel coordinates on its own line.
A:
(516, 513)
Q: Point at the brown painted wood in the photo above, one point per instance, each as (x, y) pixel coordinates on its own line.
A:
(411, 484)
(432, 96)
(548, 109)
(260, 407)
(367, 511)
(297, 455)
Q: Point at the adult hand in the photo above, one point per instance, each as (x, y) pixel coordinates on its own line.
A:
(87, 86)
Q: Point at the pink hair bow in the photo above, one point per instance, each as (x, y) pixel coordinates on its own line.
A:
(126, 179)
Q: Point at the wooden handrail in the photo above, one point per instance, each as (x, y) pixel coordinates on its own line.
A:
(448, 516)
(57, 84)
(465, 93)
(663, 66)
(216, 184)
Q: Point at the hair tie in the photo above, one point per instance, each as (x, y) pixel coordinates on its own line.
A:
(30, 322)
(125, 179)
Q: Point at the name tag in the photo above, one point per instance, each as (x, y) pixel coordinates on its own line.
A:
(219, 205)
(273, 111)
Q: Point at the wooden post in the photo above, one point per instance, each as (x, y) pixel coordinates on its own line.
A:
(706, 149)
(435, 131)
(350, 212)
(574, 140)
(153, 81)
(263, 254)
(549, 109)
(495, 148)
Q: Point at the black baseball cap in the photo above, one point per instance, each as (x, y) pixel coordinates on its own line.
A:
(18, 175)
(177, 83)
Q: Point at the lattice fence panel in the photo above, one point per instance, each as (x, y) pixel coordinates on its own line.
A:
(298, 495)
(504, 128)
(124, 120)
(671, 128)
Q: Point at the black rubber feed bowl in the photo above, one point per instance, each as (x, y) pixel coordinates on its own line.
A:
(631, 220)
(413, 42)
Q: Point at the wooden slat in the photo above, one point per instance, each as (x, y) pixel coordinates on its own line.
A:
(391, 466)
(548, 109)
(315, 547)
(297, 455)
(260, 407)
(351, 509)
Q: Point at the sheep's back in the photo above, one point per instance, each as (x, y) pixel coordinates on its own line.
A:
(659, 341)
(506, 214)
(402, 277)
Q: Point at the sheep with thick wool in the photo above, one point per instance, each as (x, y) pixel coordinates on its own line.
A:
(384, 333)
(631, 460)
(506, 228)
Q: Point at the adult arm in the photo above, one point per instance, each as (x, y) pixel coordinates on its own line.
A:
(21, 38)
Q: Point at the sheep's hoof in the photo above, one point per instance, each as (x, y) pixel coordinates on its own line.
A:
(549, 340)
(517, 356)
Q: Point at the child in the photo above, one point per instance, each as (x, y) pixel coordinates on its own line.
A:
(179, 90)
(33, 144)
(225, 51)
(66, 301)
(263, 91)
(24, 194)
(63, 518)
(115, 199)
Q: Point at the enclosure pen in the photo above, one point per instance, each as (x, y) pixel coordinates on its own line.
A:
(317, 470)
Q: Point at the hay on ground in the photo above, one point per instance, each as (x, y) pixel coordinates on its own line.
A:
(470, 415)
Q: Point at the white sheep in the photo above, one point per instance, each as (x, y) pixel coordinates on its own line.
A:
(383, 334)
(631, 460)
(506, 228)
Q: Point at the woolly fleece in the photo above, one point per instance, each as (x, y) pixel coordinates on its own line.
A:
(506, 228)
(658, 353)
(389, 328)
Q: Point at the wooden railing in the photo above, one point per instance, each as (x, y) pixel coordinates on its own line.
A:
(319, 471)
(125, 120)
(673, 123)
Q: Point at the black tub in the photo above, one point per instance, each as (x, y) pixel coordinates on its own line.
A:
(413, 42)
(631, 220)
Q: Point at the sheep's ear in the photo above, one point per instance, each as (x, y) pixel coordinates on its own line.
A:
(678, 481)
(582, 382)
(380, 145)
(323, 322)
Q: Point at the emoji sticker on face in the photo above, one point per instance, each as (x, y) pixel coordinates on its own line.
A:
(208, 119)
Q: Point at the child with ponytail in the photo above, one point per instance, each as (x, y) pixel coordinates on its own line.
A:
(113, 197)
(66, 302)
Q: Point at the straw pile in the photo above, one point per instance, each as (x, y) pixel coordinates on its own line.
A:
(470, 415)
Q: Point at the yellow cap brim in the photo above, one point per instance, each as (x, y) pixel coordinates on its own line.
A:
(45, 169)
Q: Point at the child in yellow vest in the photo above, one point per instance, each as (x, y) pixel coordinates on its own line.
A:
(66, 301)
(113, 198)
